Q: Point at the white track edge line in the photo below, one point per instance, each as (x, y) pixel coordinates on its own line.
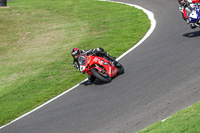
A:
(150, 31)
(153, 26)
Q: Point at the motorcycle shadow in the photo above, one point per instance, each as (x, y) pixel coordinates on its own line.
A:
(192, 34)
(96, 82)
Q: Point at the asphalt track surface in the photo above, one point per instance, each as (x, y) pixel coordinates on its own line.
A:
(162, 76)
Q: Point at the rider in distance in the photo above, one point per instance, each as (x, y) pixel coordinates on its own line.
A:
(185, 6)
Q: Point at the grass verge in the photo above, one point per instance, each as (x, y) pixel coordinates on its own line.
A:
(185, 121)
(36, 39)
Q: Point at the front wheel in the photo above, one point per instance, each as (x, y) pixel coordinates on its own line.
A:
(91, 78)
(101, 76)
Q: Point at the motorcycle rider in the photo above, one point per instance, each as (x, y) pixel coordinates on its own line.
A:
(76, 53)
(185, 6)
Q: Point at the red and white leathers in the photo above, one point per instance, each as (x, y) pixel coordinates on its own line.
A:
(185, 7)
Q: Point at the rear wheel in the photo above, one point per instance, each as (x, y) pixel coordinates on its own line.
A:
(101, 76)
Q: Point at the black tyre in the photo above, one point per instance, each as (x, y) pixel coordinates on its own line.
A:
(103, 77)
(91, 78)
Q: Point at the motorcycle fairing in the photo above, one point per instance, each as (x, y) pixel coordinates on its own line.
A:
(194, 16)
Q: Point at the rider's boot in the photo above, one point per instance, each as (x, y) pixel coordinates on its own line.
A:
(113, 59)
(110, 57)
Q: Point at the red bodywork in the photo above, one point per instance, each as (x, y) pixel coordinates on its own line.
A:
(99, 63)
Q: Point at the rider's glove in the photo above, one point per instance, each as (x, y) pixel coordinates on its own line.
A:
(82, 72)
(181, 8)
(75, 64)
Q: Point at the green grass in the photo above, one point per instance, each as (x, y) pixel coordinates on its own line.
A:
(36, 38)
(185, 121)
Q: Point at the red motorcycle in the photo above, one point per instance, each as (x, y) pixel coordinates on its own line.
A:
(99, 67)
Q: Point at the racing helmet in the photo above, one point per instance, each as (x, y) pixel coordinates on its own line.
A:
(75, 52)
